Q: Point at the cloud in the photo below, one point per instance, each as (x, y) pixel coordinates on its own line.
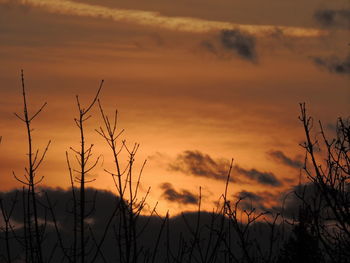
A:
(240, 43)
(231, 42)
(198, 164)
(261, 201)
(62, 203)
(334, 64)
(250, 200)
(311, 196)
(148, 228)
(280, 157)
(246, 194)
(299, 196)
(148, 18)
(333, 18)
(264, 178)
(183, 197)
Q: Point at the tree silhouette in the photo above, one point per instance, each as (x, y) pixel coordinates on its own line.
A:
(303, 244)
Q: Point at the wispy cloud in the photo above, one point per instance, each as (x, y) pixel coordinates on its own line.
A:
(232, 42)
(250, 200)
(183, 196)
(264, 178)
(199, 164)
(242, 44)
(280, 157)
(334, 64)
(333, 18)
(155, 19)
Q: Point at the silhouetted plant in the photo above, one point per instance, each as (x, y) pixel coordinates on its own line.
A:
(83, 156)
(130, 205)
(34, 230)
(303, 244)
(8, 228)
(329, 173)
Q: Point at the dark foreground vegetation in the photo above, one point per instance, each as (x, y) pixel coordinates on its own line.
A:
(86, 225)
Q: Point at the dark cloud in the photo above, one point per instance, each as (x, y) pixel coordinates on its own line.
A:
(310, 195)
(246, 194)
(183, 197)
(295, 198)
(62, 202)
(231, 41)
(250, 200)
(198, 164)
(333, 18)
(99, 207)
(240, 43)
(178, 228)
(280, 157)
(265, 178)
(334, 64)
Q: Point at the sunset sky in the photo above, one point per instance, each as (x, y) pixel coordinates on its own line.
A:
(196, 83)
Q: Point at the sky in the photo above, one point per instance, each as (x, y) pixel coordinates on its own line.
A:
(196, 83)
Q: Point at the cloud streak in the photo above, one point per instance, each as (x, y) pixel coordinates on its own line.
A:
(280, 157)
(241, 44)
(333, 18)
(199, 164)
(264, 178)
(250, 200)
(147, 18)
(334, 64)
(183, 197)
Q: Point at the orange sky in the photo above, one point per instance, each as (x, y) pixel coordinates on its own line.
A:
(217, 79)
